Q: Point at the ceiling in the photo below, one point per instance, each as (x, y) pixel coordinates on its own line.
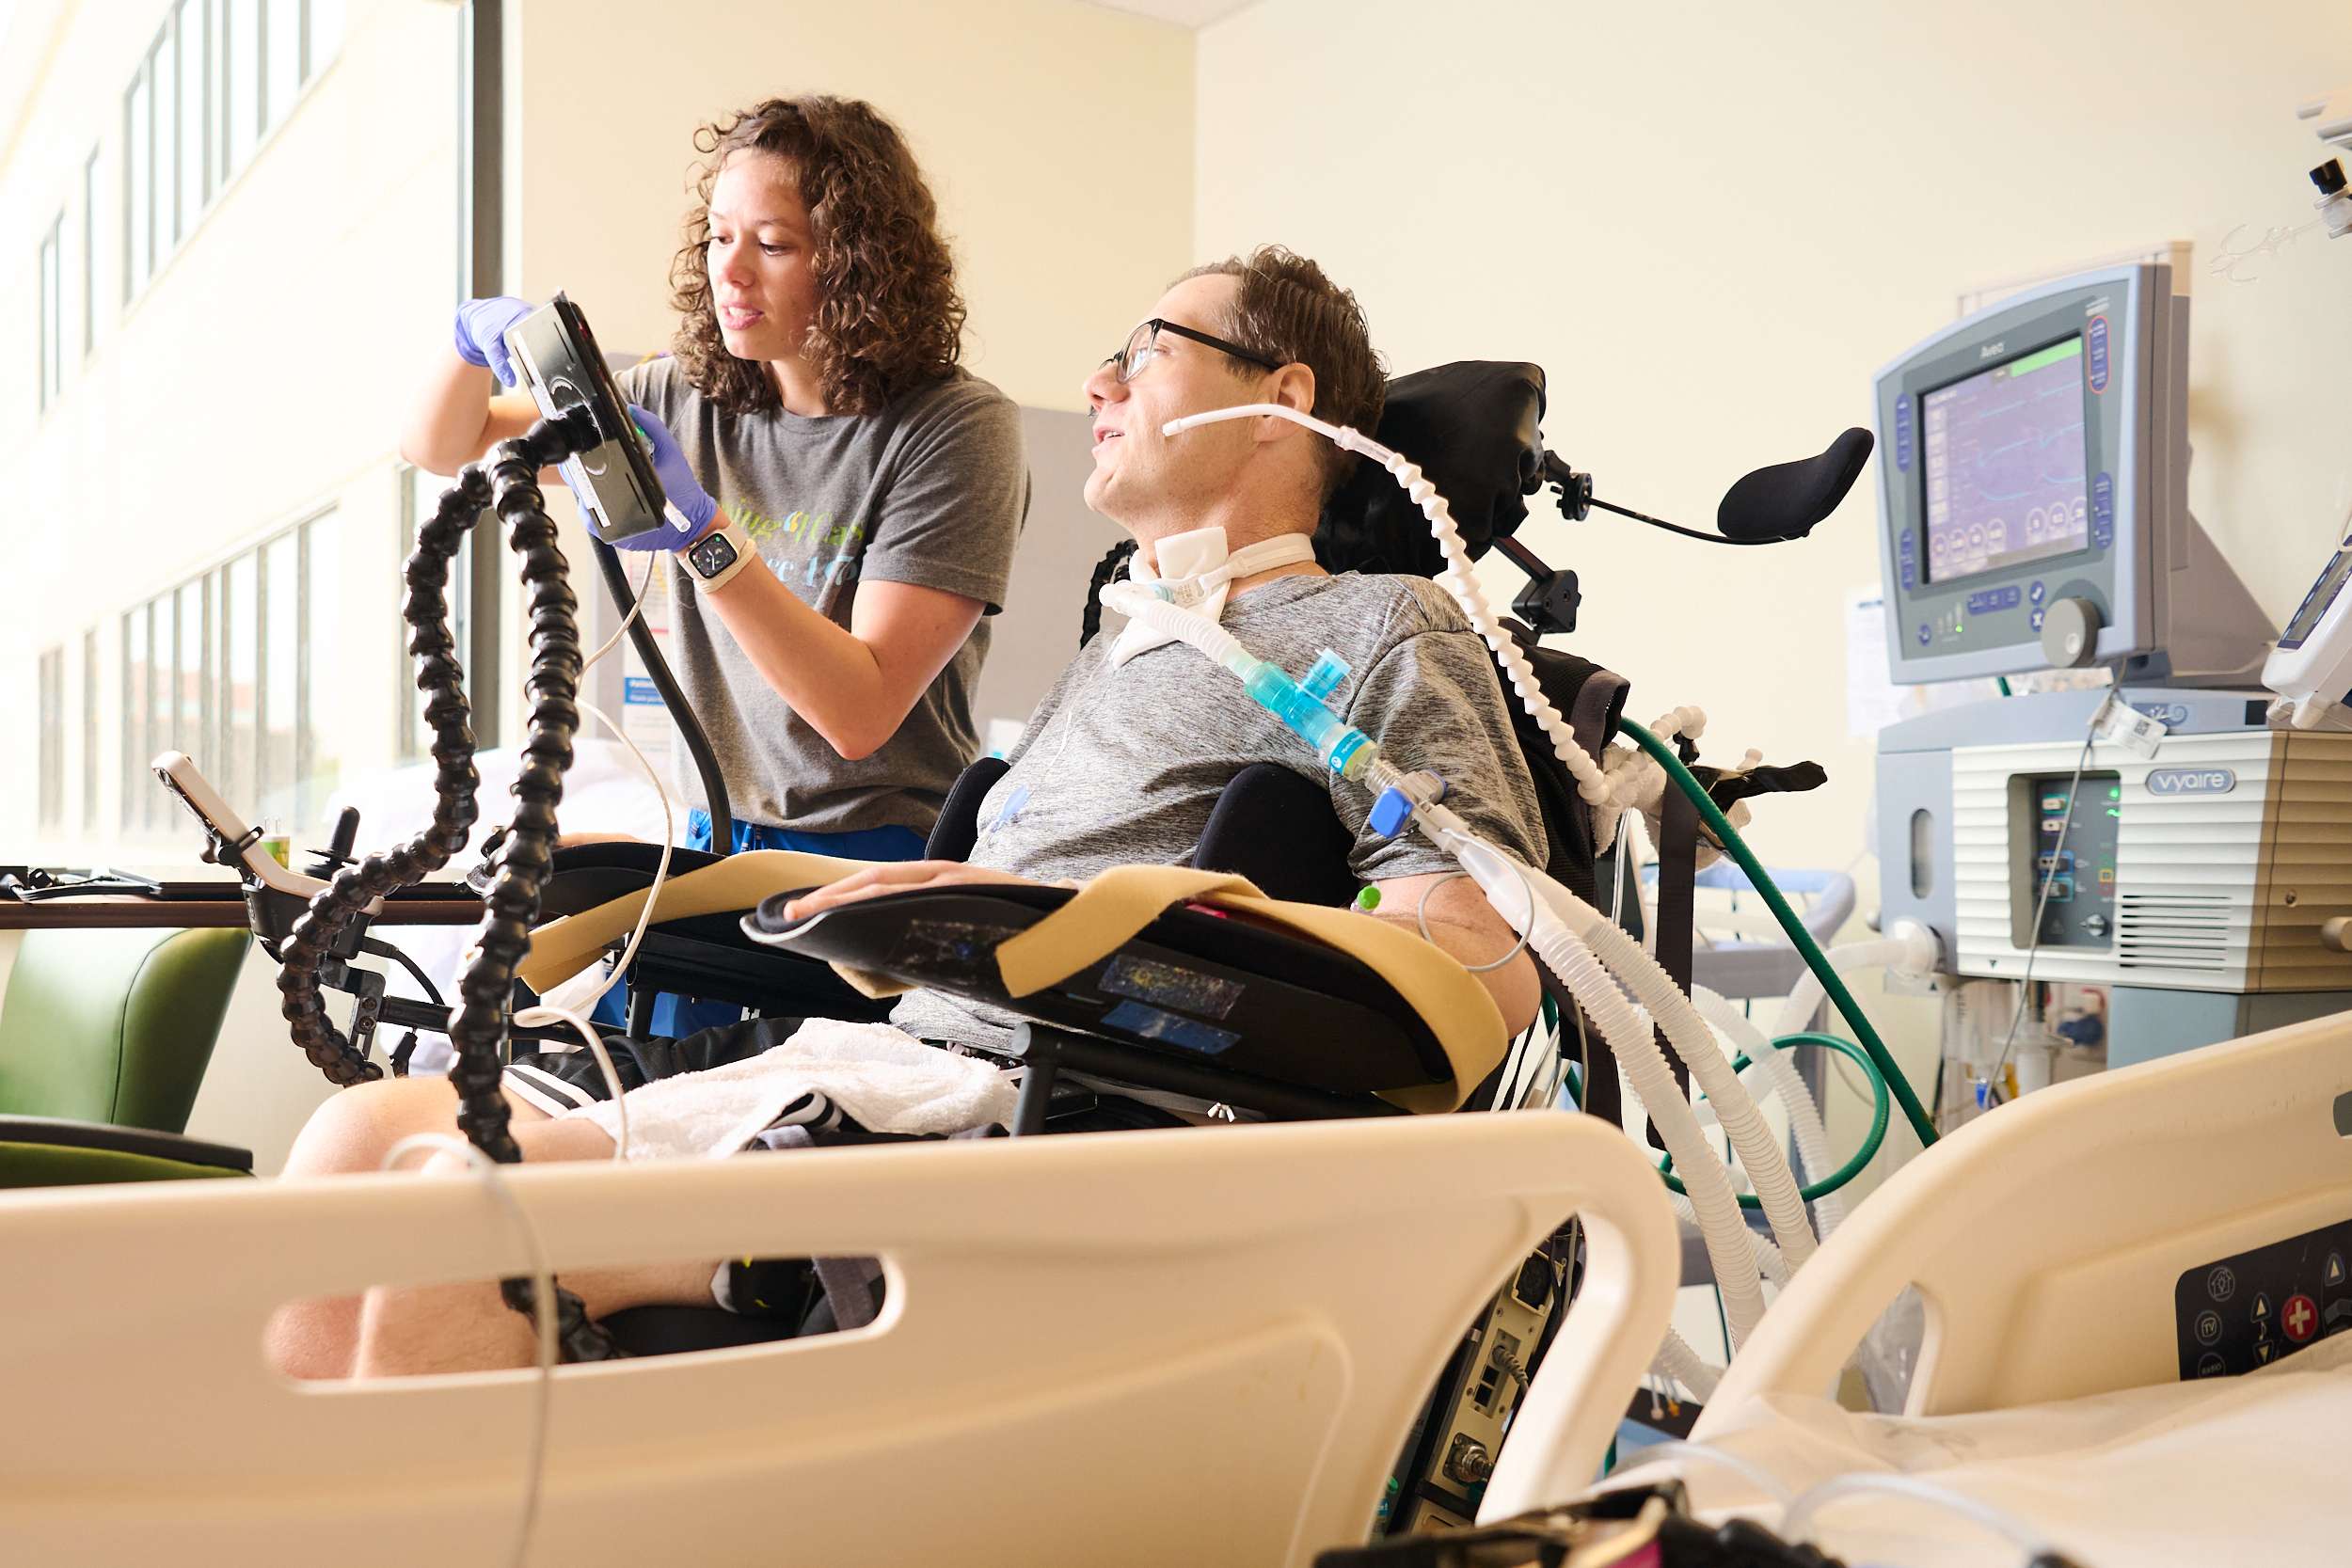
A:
(1185, 13)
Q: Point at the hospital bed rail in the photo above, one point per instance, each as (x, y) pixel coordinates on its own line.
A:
(2046, 1242)
(1093, 1349)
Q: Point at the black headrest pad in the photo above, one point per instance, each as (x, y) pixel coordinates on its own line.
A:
(1475, 429)
(1785, 501)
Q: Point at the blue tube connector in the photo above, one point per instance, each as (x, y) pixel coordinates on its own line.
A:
(1343, 748)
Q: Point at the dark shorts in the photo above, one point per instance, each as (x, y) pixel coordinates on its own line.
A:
(560, 1080)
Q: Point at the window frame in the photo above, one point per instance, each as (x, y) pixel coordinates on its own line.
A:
(89, 255)
(188, 628)
(91, 703)
(49, 297)
(200, 153)
(50, 806)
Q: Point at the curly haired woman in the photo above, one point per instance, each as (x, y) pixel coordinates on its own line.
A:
(811, 409)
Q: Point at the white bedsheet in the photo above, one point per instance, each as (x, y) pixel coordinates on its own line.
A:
(2254, 1470)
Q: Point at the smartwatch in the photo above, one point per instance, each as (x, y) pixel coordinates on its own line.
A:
(715, 558)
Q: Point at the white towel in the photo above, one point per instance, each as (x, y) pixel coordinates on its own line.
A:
(884, 1077)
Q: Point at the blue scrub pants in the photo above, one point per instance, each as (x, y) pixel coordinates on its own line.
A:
(676, 1016)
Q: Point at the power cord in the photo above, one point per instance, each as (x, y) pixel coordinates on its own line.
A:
(2049, 876)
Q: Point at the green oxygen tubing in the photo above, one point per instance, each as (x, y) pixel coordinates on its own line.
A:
(1870, 1140)
(1815, 959)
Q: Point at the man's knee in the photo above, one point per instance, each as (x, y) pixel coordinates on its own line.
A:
(352, 1130)
(359, 1127)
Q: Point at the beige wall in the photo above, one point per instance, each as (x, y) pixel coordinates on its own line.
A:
(265, 372)
(1713, 224)
(1056, 136)
(1711, 234)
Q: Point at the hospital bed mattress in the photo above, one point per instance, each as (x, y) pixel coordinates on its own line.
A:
(2248, 1469)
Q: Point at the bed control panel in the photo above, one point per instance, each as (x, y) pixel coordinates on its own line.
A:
(2236, 1314)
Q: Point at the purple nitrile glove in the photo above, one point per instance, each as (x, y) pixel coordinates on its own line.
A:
(481, 335)
(688, 498)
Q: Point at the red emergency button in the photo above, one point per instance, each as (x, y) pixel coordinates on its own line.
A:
(2301, 1317)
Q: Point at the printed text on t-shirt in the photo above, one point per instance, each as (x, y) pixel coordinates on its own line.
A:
(809, 546)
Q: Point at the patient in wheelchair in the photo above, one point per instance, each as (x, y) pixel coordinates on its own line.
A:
(1121, 764)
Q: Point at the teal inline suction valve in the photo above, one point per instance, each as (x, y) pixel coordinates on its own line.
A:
(1325, 679)
(1344, 750)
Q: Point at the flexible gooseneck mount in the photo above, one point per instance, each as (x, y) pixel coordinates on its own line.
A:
(507, 482)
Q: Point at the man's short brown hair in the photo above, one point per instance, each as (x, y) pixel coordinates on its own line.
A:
(1286, 309)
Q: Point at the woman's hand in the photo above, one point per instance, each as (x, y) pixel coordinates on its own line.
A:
(898, 876)
(686, 496)
(481, 333)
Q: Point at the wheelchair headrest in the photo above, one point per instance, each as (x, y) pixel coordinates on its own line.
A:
(1475, 428)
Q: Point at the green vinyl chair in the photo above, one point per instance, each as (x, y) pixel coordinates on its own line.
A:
(104, 1039)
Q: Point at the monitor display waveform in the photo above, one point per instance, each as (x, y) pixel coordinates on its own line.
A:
(2006, 468)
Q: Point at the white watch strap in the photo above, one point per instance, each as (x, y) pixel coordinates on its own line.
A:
(695, 555)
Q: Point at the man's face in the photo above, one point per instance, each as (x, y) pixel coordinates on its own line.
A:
(1141, 475)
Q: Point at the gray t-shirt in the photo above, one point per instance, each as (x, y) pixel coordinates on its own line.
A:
(931, 490)
(1122, 765)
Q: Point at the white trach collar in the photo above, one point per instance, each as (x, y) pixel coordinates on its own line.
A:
(1196, 571)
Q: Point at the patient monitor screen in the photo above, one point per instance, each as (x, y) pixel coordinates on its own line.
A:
(2005, 464)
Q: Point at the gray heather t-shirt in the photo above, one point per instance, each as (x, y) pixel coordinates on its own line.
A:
(932, 491)
(1123, 765)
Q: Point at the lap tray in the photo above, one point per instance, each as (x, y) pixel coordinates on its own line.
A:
(1196, 984)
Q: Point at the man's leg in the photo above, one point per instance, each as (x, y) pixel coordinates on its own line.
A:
(449, 1328)
(353, 1132)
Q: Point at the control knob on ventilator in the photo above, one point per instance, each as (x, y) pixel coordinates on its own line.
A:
(2070, 633)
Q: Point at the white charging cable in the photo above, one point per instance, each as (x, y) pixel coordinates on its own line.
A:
(1796, 1522)
(543, 1319)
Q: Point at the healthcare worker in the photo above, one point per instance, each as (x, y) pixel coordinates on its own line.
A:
(813, 409)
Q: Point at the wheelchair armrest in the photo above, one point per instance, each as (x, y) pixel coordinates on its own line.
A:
(124, 1153)
(581, 876)
(700, 955)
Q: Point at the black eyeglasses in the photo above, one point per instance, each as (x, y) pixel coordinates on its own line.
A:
(1144, 341)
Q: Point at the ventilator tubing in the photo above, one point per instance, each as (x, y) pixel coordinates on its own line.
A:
(1758, 1150)
(1677, 1360)
(1804, 1114)
(1908, 948)
(1776, 1189)
(1507, 882)
(1628, 1033)
(1630, 1037)
(1768, 1260)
